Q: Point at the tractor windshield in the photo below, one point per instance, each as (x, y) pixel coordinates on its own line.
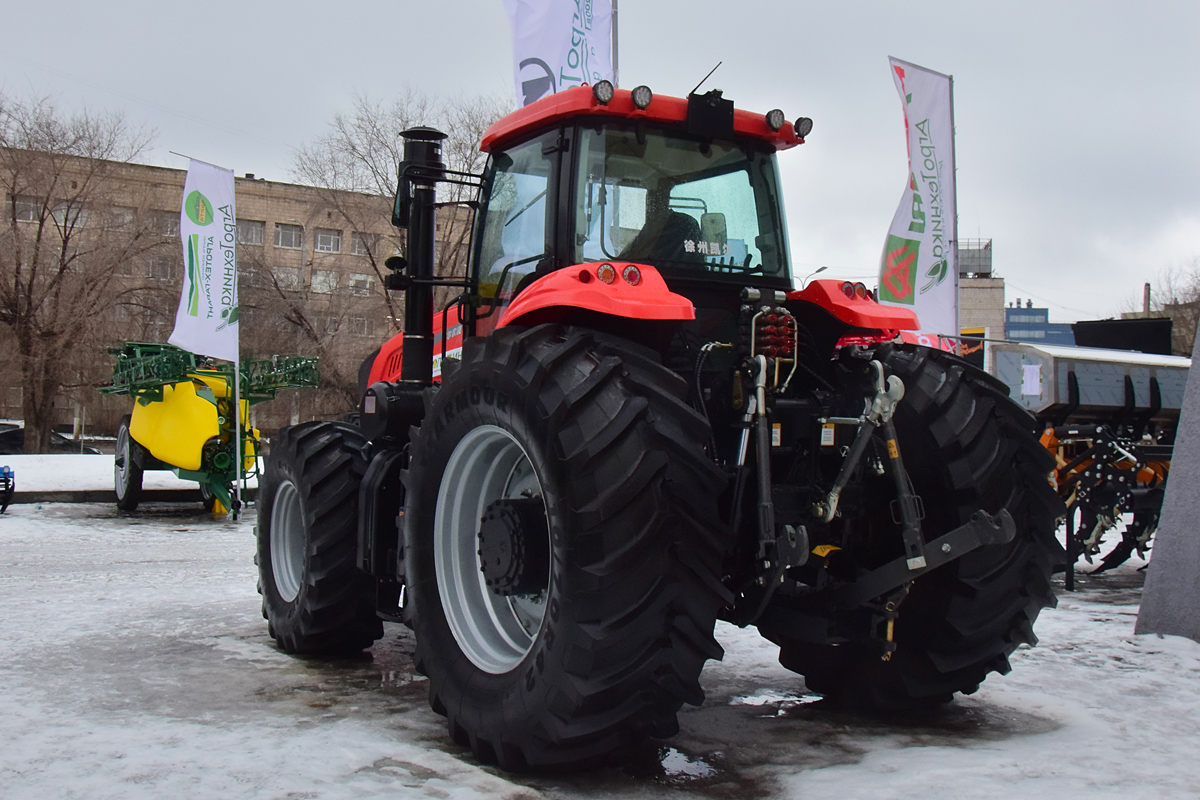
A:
(693, 208)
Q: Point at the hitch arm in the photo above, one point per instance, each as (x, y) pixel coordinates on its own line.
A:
(983, 529)
(878, 413)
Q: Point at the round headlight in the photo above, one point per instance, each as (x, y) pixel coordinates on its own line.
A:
(632, 275)
(860, 291)
(606, 273)
(803, 127)
(775, 119)
(603, 91)
(642, 96)
(848, 289)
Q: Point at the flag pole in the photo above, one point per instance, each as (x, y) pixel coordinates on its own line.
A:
(237, 430)
(954, 223)
(614, 43)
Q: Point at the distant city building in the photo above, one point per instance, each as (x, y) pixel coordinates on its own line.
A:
(1183, 316)
(1033, 325)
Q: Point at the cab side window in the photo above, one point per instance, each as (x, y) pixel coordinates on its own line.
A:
(512, 228)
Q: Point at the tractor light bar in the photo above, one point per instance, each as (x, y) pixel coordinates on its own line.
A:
(607, 273)
(603, 91)
(642, 96)
(803, 126)
(775, 119)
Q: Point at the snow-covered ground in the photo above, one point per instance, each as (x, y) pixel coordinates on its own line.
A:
(58, 473)
(134, 663)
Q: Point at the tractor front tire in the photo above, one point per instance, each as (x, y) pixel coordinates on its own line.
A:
(576, 452)
(315, 598)
(127, 469)
(965, 446)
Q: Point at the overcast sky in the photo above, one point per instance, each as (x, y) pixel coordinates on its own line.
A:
(1076, 121)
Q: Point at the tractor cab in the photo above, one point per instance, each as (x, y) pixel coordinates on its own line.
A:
(689, 188)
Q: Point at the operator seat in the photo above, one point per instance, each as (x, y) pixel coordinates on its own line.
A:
(663, 238)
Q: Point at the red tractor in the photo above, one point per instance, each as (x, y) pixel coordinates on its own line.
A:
(638, 426)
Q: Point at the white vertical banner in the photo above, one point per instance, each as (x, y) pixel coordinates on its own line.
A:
(919, 267)
(559, 44)
(207, 319)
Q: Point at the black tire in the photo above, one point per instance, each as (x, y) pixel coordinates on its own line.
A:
(315, 598)
(127, 468)
(966, 446)
(630, 591)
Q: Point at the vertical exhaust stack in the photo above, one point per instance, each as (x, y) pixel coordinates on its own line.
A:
(420, 171)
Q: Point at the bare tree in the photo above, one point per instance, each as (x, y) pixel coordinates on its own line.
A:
(362, 152)
(63, 243)
(1176, 294)
(296, 319)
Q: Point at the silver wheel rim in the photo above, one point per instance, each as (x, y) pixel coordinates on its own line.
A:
(121, 460)
(493, 631)
(287, 541)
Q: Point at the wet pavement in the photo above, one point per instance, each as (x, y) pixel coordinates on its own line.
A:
(121, 621)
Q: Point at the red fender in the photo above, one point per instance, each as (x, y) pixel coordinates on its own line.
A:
(861, 312)
(552, 297)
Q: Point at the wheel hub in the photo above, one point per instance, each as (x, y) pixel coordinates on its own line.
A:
(514, 552)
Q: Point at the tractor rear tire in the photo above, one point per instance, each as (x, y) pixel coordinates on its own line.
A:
(587, 441)
(315, 598)
(127, 468)
(966, 446)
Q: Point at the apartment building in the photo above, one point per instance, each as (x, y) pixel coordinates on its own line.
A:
(311, 267)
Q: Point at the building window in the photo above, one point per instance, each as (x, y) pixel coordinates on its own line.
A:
(69, 215)
(124, 268)
(121, 218)
(1037, 319)
(364, 244)
(290, 237)
(362, 284)
(26, 209)
(328, 241)
(1024, 334)
(159, 268)
(360, 326)
(324, 281)
(250, 231)
(164, 223)
(287, 277)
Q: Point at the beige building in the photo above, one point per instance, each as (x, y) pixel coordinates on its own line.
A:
(980, 292)
(311, 268)
(981, 304)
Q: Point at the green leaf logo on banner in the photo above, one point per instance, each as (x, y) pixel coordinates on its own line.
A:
(198, 209)
(899, 276)
(936, 274)
(228, 317)
(193, 274)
